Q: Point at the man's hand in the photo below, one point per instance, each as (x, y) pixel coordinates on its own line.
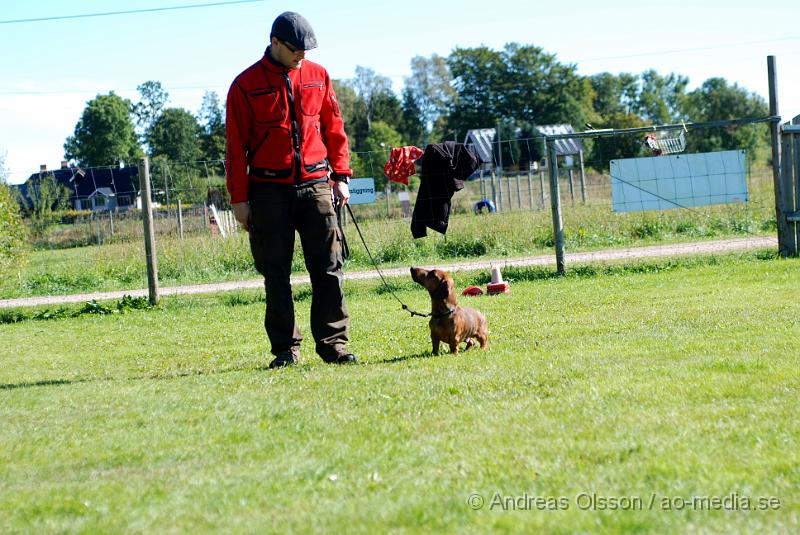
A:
(342, 193)
(241, 211)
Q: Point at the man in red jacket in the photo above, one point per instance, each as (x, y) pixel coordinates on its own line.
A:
(286, 152)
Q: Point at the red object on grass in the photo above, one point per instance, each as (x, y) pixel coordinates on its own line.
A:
(498, 288)
(472, 291)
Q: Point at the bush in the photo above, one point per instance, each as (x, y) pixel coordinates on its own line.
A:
(12, 231)
(462, 248)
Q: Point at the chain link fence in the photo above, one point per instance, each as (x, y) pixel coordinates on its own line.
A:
(503, 211)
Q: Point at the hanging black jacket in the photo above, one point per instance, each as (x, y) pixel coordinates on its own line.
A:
(445, 166)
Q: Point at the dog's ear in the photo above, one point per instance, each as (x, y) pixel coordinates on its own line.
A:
(441, 291)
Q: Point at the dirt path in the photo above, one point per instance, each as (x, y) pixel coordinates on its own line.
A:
(681, 249)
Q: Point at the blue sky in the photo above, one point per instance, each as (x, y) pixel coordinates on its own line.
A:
(50, 69)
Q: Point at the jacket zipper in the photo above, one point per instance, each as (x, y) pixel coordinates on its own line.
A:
(295, 133)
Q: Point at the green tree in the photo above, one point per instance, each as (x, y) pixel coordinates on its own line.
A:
(388, 109)
(176, 136)
(380, 140)
(430, 89)
(613, 94)
(354, 112)
(412, 127)
(539, 89)
(477, 80)
(508, 147)
(606, 149)
(47, 197)
(212, 123)
(104, 134)
(717, 100)
(374, 90)
(174, 142)
(521, 144)
(660, 98)
(12, 230)
(655, 99)
(520, 84)
(152, 101)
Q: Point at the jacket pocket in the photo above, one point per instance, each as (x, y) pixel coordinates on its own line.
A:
(275, 152)
(318, 166)
(314, 149)
(311, 96)
(267, 105)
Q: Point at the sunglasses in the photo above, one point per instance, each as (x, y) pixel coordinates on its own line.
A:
(292, 49)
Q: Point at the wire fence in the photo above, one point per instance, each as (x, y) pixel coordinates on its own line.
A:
(101, 248)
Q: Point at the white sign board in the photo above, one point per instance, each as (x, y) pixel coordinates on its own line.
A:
(678, 181)
(362, 191)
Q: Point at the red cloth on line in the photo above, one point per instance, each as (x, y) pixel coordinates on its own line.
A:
(401, 163)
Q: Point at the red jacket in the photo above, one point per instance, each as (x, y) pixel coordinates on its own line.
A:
(283, 126)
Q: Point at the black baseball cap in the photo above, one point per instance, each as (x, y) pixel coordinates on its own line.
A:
(294, 29)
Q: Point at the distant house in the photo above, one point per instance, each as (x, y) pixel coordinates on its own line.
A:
(95, 188)
(564, 147)
(481, 140)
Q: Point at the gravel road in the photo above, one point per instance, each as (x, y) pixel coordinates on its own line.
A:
(655, 251)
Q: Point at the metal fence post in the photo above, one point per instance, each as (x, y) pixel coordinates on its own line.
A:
(149, 235)
(571, 187)
(499, 171)
(508, 189)
(541, 188)
(180, 220)
(790, 178)
(530, 185)
(784, 246)
(796, 171)
(166, 185)
(555, 203)
(494, 193)
(583, 177)
(787, 173)
(96, 217)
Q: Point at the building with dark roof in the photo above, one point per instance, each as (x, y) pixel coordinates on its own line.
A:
(94, 188)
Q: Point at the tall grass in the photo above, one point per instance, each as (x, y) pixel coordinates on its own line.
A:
(201, 257)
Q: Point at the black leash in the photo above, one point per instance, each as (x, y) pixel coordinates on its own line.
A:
(345, 247)
(346, 250)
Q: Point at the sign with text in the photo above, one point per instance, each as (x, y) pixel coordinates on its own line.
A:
(362, 190)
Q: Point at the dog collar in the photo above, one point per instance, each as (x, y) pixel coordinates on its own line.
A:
(443, 314)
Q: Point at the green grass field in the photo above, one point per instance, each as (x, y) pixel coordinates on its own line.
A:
(660, 382)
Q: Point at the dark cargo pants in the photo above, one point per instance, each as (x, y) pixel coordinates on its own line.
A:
(276, 213)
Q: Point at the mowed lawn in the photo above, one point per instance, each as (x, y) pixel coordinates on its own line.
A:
(623, 401)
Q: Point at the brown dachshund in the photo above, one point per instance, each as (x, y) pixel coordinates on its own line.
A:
(449, 322)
